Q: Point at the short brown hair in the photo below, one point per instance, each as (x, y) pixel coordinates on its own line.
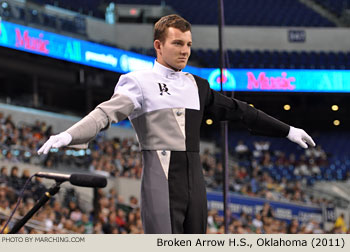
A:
(173, 20)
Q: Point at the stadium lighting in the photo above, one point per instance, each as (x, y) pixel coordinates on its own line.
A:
(252, 105)
(336, 122)
(286, 107)
(4, 5)
(133, 11)
(209, 121)
(335, 107)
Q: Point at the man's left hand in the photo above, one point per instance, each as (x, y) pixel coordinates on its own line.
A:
(300, 137)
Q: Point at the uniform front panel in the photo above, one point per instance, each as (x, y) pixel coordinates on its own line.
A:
(161, 130)
(192, 128)
(187, 194)
(178, 190)
(155, 208)
(197, 213)
(162, 92)
(176, 90)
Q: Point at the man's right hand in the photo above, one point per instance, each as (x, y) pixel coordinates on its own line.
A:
(56, 141)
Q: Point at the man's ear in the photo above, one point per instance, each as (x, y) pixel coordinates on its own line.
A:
(156, 45)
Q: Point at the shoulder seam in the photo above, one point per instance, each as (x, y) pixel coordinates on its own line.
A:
(138, 84)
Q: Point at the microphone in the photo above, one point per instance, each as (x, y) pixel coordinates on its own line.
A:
(77, 179)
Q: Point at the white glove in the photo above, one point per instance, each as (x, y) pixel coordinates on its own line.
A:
(56, 141)
(300, 137)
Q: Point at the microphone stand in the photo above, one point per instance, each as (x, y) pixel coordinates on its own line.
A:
(51, 192)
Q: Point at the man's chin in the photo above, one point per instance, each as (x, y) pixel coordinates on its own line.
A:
(178, 67)
(181, 66)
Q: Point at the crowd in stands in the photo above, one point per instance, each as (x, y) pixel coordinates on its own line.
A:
(249, 176)
(263, 222)
(274, 175)
(112, 215)
(111, 157)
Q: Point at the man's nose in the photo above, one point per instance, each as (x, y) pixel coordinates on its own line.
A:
(185, 50)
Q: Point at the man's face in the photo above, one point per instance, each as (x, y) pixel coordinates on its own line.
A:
(175, 50)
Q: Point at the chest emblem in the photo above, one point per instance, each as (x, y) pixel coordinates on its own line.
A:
(163, 88)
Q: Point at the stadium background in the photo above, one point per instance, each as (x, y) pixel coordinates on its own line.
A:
(307, 191)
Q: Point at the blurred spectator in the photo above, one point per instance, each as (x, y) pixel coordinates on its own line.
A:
(340, 223)
(133, 203)
(242, 150)
(266, 160)
(2, 223)
(302, 169)
(257, 221)
(267, 211)
(14, 180)
(260, 147)
(315, 152)
(314, 168)
(4, 178)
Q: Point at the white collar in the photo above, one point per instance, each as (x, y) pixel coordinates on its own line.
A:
(166, 71)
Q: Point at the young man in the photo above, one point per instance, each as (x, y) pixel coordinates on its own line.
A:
(166, 107)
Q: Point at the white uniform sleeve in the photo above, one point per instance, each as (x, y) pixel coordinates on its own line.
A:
(127, 98)
(129, 86)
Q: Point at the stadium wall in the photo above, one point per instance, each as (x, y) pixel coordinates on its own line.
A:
(22, 115)
(243, 38)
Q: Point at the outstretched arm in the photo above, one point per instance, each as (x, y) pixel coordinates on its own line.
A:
(125, 100)
(258, 122)
(80, 134)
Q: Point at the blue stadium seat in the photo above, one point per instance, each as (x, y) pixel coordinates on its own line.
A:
(335, 6)
(237, 12)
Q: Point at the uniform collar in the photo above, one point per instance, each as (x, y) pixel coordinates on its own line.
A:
(165, 71)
